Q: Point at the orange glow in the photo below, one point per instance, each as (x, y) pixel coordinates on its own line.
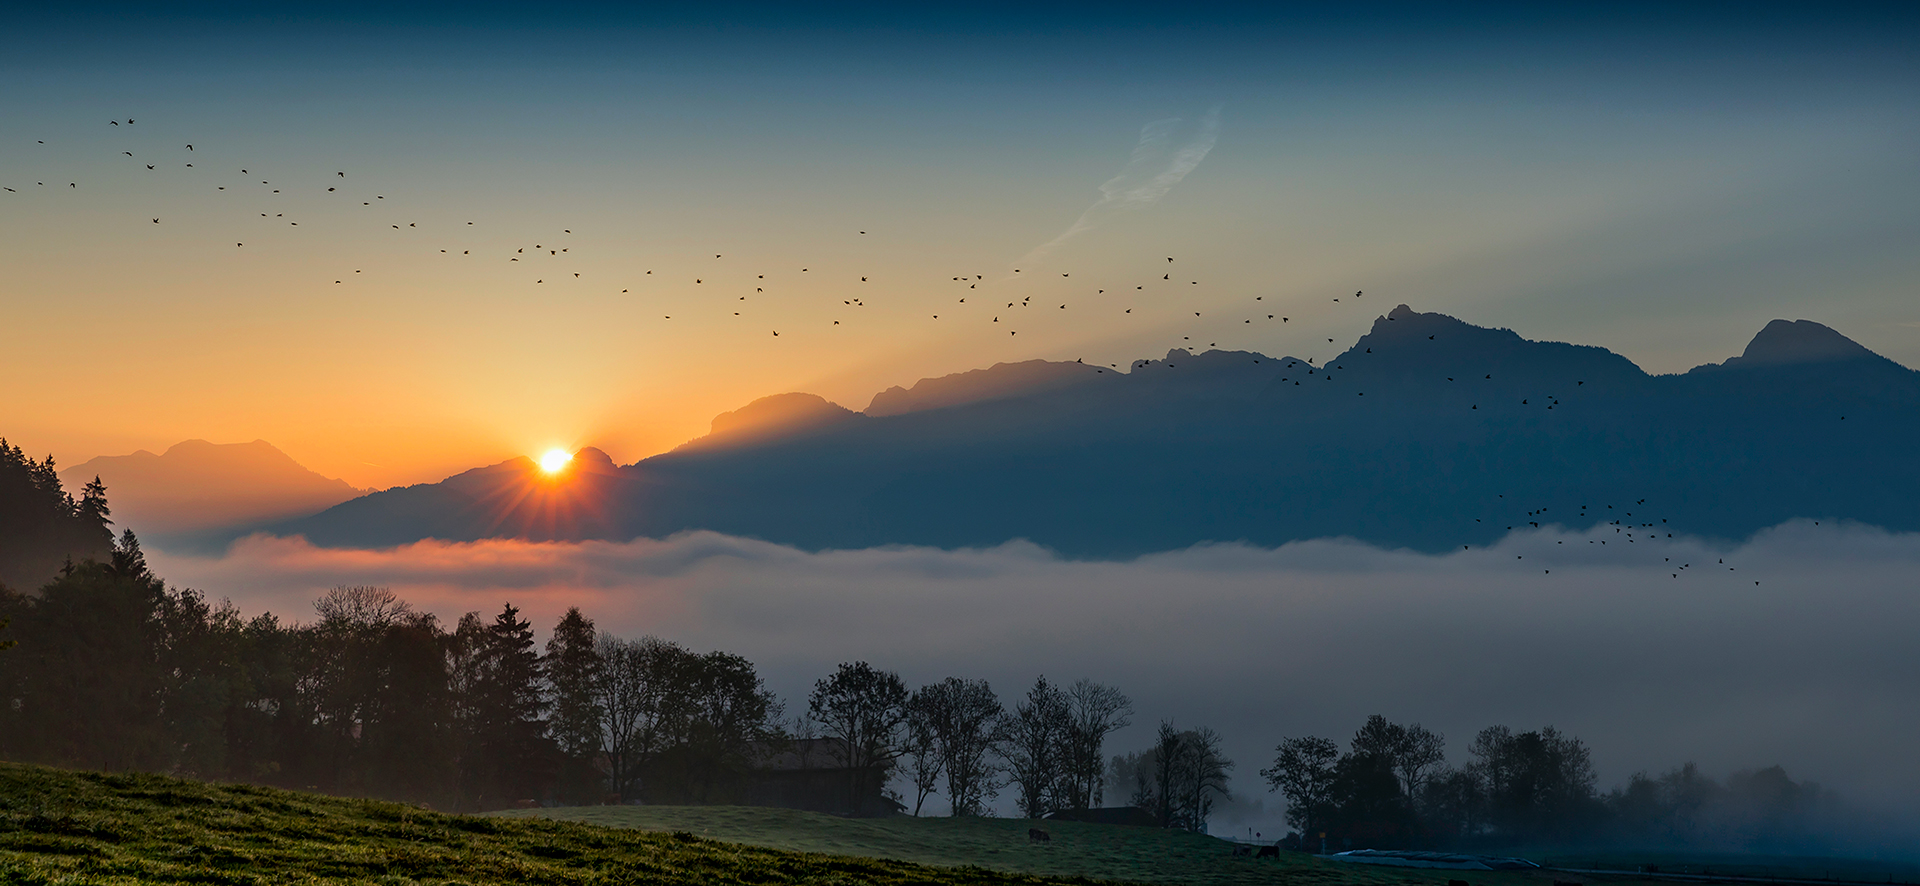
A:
(554, 460)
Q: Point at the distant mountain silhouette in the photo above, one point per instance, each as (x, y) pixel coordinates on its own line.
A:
(199, 492)
(1000, 381)
(1428, 433)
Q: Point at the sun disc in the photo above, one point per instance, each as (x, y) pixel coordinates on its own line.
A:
(554, 460)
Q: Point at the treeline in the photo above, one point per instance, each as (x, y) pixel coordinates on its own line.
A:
(41, 525)
(1392, 788)
(115, 670)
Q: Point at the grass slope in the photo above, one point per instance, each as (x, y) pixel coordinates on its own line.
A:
(1076, 850)
(58, 826)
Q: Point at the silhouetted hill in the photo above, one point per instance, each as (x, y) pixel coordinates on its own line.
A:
(589, 498)
(199, 491)
(1428, 433)
(979, 385)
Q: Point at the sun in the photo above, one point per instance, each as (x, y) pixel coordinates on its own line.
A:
(554, 460)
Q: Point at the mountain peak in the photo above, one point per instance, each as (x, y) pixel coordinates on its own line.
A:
(1000, 381)
(1793, 342)
(198, 485)
(770, 417)
(1801, 341)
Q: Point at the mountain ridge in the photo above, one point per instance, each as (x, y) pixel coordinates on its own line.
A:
(1426, 433)
(196, 489)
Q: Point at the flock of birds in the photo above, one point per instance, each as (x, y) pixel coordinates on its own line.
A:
(975, 302)
(269, 199)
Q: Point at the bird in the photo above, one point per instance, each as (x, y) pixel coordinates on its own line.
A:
(156, 221)
(189, 147)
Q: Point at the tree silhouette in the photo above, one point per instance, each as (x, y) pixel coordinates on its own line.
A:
(865, 708)
(573, 671)
(1035, 748)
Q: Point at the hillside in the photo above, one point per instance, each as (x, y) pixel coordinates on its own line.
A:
(1428, 433)
(1148, 855)
(92, 827)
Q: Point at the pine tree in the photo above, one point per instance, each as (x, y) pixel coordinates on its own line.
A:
(573, 673)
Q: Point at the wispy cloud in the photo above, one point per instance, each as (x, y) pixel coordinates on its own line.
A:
(1813, 668)
(1156, 166)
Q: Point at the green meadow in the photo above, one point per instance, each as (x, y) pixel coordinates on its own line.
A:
(1101, 852)
(67, 827)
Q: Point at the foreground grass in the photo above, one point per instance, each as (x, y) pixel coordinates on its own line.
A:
(58, 826)
(1111, 852)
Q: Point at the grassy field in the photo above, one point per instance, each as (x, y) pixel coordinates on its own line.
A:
(88, 827)
(1077, 850)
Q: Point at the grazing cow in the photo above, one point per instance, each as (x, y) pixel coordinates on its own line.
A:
(1567, 883)
(1268, 852)
(1456, 883)
(1242, 850)
(1036, 835)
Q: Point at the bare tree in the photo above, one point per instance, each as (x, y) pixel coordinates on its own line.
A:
(635, 703)
(922, 748)
(1093, 712)
(1034, 748)
(1417, 757)
(1412, 751)
(361, 607)
(1168, 747)
(967, 722)
(1202, 777)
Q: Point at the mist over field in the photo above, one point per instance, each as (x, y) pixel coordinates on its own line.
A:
(1808, 669)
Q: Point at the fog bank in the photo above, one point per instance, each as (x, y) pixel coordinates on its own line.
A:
(1652, 664)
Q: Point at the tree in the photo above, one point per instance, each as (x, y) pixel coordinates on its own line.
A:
(628, 704)
(573, 673)
(923, 756)
(1538, 784)
(1200, 776)
(1420, 752)
(93, 502)
(972, 724)
(1451, 802)
(865, 709)
(965, 722)
(41, 525)
(510, 755)
(1165, 759)
(719, 710)
(1093, 712)
(90, 686)
(1034, 748)
(1303, 772)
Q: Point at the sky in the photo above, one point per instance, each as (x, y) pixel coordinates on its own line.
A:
(1659, 183)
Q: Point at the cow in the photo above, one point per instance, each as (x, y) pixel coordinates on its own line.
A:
(1268, 852)
(526, 804)
(1036, 835)
(1456, 883)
